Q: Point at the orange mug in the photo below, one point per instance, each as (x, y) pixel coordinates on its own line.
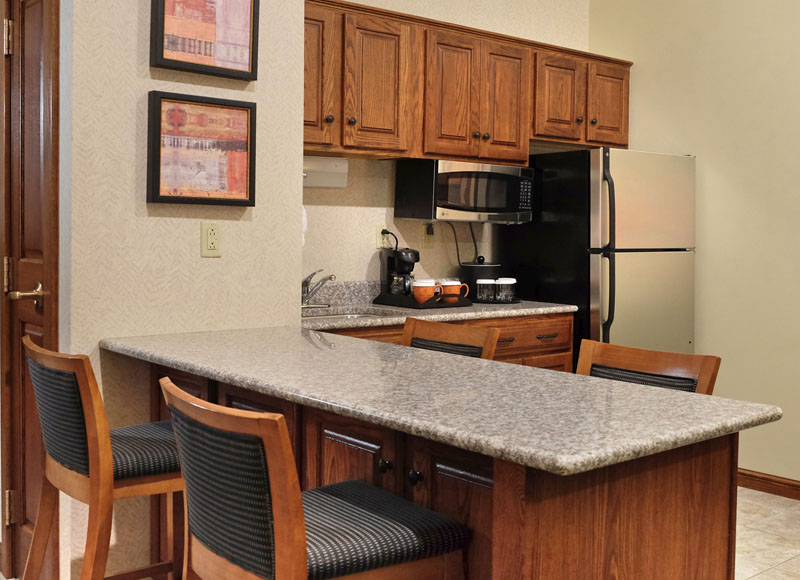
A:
(424, 290)
(451, 290)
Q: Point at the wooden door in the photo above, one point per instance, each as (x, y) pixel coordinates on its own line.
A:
(337, 448)
(608, 104)
(560, 96)
(30, 242)
(452, 92)
(459, 484)
(322, 120)
(505, 101)
(376, 83)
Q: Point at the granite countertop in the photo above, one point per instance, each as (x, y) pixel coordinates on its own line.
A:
(372, 315)
(554, 421)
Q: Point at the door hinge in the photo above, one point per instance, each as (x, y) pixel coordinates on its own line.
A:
(8, 37)
(6, 276)
(9, 507)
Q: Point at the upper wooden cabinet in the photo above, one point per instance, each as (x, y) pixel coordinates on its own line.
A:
(581, 100)
(323, 80)
(377, 56)
(477, 97)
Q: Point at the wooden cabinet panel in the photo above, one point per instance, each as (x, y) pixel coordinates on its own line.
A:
(560, 96)
(608, 104)
(376, 82)
(322, 120)
(199, 387)
(555, 362)
(390, 334)
(337, 448)
(456, 483)
(505, 101)
(452, 81)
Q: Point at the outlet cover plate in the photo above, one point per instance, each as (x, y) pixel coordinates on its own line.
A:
(428, 240)
(210, 240)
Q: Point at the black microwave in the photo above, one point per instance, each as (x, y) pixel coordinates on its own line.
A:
(454, 190)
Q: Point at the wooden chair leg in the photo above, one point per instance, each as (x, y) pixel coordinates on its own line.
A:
(48, 504)
(176, 534)
(98, 536)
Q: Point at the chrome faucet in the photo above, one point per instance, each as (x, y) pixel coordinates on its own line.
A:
(308, 291)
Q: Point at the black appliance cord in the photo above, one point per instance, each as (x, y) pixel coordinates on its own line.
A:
(455, 237)
(474, 242)
(385, 232)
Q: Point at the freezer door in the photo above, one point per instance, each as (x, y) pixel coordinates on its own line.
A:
(654, 301)
(655, 203)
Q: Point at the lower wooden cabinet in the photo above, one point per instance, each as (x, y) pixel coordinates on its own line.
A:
(456, 483)
(337, 448)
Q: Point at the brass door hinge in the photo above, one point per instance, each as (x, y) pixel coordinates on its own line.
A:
(8, 37)
(6, 276)
(9, 506)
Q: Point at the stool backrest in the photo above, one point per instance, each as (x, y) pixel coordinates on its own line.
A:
(243, 502)
(474, 341)
(73, 418)
(684, 372)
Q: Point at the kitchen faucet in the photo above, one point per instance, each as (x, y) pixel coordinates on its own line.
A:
(308, 291)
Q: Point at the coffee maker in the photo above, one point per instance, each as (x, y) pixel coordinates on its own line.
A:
(396, 268)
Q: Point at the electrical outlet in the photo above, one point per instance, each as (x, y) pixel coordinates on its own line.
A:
(210, 240)
(382, 241)
(428, 240)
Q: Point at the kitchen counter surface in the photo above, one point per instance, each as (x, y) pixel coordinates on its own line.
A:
(554, 421)
(372, 315)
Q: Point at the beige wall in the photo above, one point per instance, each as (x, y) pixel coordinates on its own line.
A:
(718, 79)
(134, 268)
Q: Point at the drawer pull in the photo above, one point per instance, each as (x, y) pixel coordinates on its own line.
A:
(413, 477)
(509, 339)
(384, 465)
(543, 336)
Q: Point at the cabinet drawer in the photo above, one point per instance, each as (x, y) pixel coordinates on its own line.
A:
(561, 361)
(390, 334)
(524, 335)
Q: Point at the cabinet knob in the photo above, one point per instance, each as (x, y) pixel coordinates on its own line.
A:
(594, 121)
(579, 119)
(352, 121)
(414, 477)
(477, 134)
(384, 465)
(486, 136)
(330, 119)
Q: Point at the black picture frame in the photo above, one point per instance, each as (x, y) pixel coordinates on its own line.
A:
(158, 60)
(154, 149)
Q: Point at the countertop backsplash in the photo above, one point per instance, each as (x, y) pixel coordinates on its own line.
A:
(342, 226)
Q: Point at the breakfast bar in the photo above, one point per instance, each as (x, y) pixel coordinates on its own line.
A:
(558, 475)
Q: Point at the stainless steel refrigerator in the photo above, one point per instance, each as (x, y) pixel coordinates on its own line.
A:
(613, 233)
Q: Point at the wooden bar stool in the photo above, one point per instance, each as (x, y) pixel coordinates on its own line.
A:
(477, 342)
(248, 520)
(90, 462)
(693, 373)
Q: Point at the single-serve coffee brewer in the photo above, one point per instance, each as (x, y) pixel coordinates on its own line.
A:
(396, 268)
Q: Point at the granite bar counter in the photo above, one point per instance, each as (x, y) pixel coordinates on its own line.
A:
(559, 476)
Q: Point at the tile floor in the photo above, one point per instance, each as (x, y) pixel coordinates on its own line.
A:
(767, 537)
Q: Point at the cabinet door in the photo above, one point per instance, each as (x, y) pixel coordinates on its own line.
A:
(608, 104)
(456, 483)
(452, 81)
(376, 83)
(339, 449)
(323, 80)
(505, 101)
(560, 96)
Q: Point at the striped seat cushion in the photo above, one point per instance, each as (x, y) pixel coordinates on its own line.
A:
(448, 347)
(353, 527)
(147, 449)
(641, 378)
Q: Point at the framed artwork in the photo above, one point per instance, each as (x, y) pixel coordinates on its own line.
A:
(215, 37)
(200, 150)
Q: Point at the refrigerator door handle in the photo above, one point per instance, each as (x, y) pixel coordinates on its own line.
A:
(612, 205)
(612, 296)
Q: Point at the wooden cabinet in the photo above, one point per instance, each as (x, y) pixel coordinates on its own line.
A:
(477, 97)
(337, 448)
(456, 483)
(581, 100)
(322, 119)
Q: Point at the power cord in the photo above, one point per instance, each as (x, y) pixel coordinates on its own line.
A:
(385, 232)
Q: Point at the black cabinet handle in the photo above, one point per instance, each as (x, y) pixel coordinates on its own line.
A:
(414, 477)
(579, 119)
(384, 465)
(509, 339)
(543, 336)
(352, 121)
(486, 136)
(477, 134)
(594, 121)
(330, 119)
